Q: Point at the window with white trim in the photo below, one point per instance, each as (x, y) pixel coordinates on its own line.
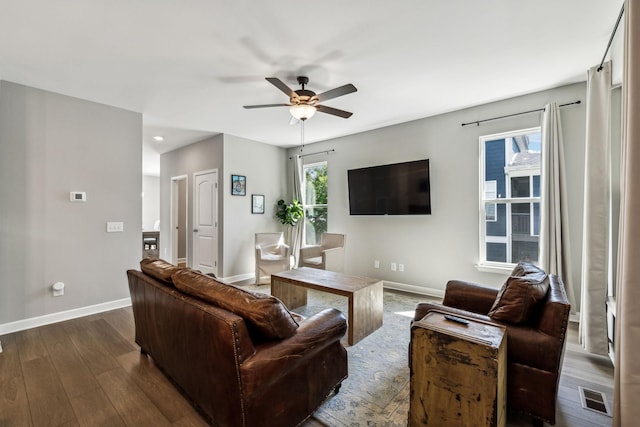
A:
(315, 202)
(510, 198)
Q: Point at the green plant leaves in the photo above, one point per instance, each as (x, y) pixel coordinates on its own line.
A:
(289, 214)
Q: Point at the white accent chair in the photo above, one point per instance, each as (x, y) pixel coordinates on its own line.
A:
(328, 255)
(272, 256)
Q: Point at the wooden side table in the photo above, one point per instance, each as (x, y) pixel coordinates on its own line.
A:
(457, 373)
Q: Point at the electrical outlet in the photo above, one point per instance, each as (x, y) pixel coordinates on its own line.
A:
(393, 266)
(401, 268)
(115, 227)
(376, 264)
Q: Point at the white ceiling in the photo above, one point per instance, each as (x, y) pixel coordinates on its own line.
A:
(190, 66)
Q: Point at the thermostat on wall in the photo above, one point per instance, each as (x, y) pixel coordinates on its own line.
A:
(78, 196)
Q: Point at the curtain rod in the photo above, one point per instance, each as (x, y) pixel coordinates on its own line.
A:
(615, 28)
(477, 122)
(313, 154)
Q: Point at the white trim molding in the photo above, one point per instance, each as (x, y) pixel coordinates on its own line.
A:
(47, 319)
(420, 290)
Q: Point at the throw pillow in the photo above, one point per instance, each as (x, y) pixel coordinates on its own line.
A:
(263, 313)
(521, 293)
(159, 269)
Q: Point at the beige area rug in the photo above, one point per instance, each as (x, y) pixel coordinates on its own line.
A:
(376, 393)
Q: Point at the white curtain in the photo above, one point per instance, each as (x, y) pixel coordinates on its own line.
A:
(597, 212)
(626, 410)
(555, 250)
(296, 232)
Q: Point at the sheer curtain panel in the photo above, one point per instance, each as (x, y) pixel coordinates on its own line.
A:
(296, 232)
(596, 213)
(555, 250)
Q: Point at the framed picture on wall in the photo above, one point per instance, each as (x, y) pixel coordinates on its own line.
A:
(257, 203)
(238, 185)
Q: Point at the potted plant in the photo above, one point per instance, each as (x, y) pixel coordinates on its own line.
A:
(289, 215)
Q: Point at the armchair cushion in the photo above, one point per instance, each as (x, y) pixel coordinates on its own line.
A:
(265, 315)
(159, 269)
(315, 260)
(520, 295)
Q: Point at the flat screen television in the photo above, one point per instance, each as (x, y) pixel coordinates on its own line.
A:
(394, 189)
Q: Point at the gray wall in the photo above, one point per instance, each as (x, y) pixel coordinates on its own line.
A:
(443, 245)
(200, 156)
(265, 168)
(150, 201)
(50, 145)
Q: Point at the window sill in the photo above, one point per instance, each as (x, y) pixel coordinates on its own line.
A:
(495, 268)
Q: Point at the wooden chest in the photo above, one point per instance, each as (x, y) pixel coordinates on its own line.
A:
(457, 373)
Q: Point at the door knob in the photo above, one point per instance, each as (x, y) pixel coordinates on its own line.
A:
(195, 230)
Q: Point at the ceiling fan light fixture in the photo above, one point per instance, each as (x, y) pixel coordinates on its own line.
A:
(302, 111)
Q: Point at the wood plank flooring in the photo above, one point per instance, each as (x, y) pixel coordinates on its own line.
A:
(89, 372)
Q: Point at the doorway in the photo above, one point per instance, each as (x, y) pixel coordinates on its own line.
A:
(179, 211)
(205, 221)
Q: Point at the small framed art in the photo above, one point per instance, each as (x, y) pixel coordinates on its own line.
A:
(257, 203)
(238, 185)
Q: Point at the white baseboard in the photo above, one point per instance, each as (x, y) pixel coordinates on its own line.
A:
(238, 277)
(420, 290)
(33, 322)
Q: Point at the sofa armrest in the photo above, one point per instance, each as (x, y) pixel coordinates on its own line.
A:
(274, 359)
(469, 296)
(425, 307)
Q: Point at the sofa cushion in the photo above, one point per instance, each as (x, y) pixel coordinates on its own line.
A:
(159, 269)
(521, 293)
(264, 314)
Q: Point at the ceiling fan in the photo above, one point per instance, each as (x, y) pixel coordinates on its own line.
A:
(304, 103)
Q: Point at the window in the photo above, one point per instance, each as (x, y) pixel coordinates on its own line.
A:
(510, 198)
(315, 202)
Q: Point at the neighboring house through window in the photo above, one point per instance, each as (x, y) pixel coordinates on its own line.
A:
(510, 197)
(315, 202)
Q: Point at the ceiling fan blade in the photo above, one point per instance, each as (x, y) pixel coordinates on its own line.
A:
(280, 85)
(334, 111)
(266, 106)
(339, 91)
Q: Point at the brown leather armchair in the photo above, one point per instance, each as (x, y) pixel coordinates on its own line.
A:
(534, 349)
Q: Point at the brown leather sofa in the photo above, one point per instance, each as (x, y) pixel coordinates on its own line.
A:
(241, 358)
(535, 347)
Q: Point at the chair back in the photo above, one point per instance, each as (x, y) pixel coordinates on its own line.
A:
(332, 240)
(268, 239)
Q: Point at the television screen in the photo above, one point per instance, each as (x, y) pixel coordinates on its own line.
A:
(395, 189)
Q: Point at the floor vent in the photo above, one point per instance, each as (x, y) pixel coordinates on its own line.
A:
(595, 401)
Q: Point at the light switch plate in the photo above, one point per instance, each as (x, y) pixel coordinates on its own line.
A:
(115, 227)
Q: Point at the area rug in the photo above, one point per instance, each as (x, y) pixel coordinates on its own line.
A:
(376, 393)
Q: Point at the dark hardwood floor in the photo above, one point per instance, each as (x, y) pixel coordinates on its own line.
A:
(89, 372)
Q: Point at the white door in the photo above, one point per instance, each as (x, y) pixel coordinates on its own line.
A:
(205, 222)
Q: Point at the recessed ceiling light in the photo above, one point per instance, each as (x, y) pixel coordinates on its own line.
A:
(158, 138)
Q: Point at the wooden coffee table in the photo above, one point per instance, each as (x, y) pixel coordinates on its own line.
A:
(364, 294)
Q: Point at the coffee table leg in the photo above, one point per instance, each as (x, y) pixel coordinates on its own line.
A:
(365, 312)
(292, 296)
